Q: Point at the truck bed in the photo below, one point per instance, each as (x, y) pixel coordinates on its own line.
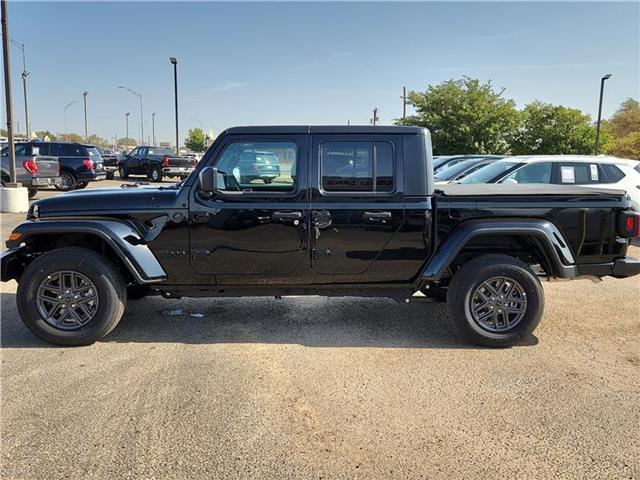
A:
(491, 189)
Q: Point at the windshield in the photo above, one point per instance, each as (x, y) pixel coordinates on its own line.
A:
(450, 172)
(490, 172)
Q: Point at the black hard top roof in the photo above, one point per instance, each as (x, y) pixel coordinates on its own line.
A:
(301, 129)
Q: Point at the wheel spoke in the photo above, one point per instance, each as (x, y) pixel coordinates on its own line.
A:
(498, 304)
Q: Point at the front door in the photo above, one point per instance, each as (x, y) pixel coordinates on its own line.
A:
(357, 205)
(254, 229)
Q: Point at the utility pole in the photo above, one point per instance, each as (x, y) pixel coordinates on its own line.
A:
(174, 62)
(7, 90)
(126, 128)
(139, 95)
(153, 127)
(602, 80)
(375, 118)
(86, 130)
(24, 75)
(404, 102)
(66, 136)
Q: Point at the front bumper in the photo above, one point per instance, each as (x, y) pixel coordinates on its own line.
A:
(110, 168)
(11, 264)
(620, 268)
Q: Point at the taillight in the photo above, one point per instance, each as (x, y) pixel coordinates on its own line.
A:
(629, 224)
(194, 162)
(88, 163)
(30, 166)
(165, 161)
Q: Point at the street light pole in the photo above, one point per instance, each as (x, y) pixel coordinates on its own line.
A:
(153, 128)
(126, 128)
(174, 62)
(86, 130)
(24, 75)
(66, 136)
(602, 80)
(7, 90)
(139, 95)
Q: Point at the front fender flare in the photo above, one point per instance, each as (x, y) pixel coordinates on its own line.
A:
(543, 232)
(121, 236)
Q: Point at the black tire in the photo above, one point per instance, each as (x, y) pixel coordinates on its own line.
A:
(110, 175)
(67, 182)
(82, 185)
(109, 285)
(467, 285)
(268, 180)
(32, 193)
(155, 174)
(122, 170)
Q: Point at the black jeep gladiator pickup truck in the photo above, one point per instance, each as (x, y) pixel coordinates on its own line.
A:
(359, 217)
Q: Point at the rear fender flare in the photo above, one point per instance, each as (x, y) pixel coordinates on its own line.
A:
(543, 232)
(121, 236)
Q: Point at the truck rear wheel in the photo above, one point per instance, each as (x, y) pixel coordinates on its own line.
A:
(32, 193)
(495, 301)
(67, 182)
(71, 296)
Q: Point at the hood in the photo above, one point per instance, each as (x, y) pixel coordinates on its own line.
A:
(103, 200)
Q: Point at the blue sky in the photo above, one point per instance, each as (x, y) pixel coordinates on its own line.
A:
(309, 63)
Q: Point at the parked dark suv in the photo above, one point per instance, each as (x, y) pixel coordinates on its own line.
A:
(79, 164)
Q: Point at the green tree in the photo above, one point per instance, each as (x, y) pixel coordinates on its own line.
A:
(553, 130)
(195, 140)
(46, 133)
(464, 116)
(627, 146)
(626, 119)
(3, 133)
(128, 142)
(71, 137)
(97, 140)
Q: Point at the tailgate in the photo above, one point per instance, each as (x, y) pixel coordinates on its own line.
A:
(180, 162)
(47, 166)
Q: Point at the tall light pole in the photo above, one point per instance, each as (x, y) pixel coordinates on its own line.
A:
(174, 62)
(126, 128)
(66, 136)
(404, 102)
(7, 91)
(24, 75)
(139, 95)
(153, 128)
(602, 80)
(86, 130)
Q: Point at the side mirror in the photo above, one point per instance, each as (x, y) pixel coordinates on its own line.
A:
(209, 179)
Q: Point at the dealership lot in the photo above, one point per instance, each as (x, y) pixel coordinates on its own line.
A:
(326, 388)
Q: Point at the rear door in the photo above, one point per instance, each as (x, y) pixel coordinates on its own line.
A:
(357, 203)
(252, 231)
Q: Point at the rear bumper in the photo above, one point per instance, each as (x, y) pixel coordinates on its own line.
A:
(92, 176)
(11, 264)
(177, 170)
(38, 181)
(620, 268)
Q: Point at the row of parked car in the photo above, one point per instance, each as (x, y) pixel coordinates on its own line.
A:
(69, 166)
(580, 170)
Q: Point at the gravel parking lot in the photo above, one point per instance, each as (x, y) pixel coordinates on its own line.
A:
(326, 388)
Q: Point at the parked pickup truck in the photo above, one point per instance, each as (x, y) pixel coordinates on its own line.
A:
(155, 162)
(110, 161)
(360, 218)
(33, 170)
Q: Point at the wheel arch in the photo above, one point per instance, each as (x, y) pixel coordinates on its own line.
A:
(117, 240)
(540, 237)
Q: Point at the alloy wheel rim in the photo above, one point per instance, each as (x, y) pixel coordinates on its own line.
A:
(498, 304)
(67, 300)
(66, 181)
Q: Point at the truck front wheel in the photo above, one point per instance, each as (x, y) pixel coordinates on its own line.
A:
(495, 301)
(71, 296)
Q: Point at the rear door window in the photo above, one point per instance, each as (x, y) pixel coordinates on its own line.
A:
(579, 173)
(612, 174)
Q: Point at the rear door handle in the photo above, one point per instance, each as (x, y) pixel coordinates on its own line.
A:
(287, 215)
(377, 215)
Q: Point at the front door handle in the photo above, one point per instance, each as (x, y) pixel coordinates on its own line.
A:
(377, 216)
(287, 215)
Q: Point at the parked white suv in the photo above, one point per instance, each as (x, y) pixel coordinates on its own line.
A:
(581, 170)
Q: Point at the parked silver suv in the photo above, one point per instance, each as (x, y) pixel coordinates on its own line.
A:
(33, 170)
